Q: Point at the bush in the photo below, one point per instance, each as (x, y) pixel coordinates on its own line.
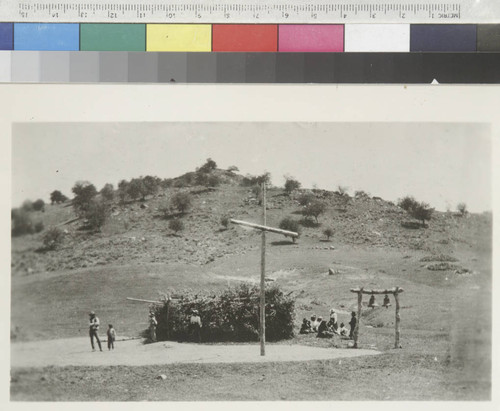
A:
(181, 202)
(421, 211)
(233, 169)
(232, 315)
(53, 238)
(96, 214)
(21, 222)
(225, 221)
(314, 209)
(27, 206)
(306, 198)
(209, 166)
(291, 185)
(108, 192)
(250, 180)
(123, 190)
(407, 203)
(84, 195)
(360, 194)
(57, 197)
(136, 189)
(289, 224)
(39, 226)
(462, 209)
(176, 225)
(39, 205)
(328, 232)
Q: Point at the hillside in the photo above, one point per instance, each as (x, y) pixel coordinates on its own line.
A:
(137, 232)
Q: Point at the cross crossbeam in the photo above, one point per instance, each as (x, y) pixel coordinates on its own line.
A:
(266, 228)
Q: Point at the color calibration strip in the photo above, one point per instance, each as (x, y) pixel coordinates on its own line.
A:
(250, 37)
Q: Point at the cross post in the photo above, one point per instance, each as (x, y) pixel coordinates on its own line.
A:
(264, 228)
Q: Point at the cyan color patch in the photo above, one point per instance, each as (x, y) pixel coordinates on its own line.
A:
(46, 36)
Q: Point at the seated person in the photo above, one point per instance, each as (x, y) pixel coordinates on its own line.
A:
(333, 325)
(305, 328)
(372, 303)
(343, 331)
(323, 331)
(314, 323)
(387, 302)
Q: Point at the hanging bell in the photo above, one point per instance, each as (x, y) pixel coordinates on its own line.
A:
(387, 302)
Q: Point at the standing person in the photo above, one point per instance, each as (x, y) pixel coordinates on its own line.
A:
(152, 326)
(195, 325)
(111, 337)
(333, 324)
(352, 323)
(93, 329)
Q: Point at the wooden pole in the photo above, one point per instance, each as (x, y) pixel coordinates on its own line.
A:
(398, 319)
(265, 228)
(356, 329)
(262, 328)
(168, 315)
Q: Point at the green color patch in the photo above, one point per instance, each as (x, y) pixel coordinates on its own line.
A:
(113, 37)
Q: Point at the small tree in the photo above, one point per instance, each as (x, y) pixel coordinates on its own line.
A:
(52, 238)
(462, 209)
(123, 190)
(181, 202)
(407, 203)
(108, 192)
(328, 232)
(209, 166)
(21, 222)
(176, 225)
(421, 211)
(151, 185)
(27, 206)
(84, 194)
(57, 197)
(136, 189)
(291, 185)
(39, 205)
(314, 209)
(233, 169)
(290, 224)
(306, 198)
(96, 214)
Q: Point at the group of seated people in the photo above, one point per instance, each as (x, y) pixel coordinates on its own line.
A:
(328, 329)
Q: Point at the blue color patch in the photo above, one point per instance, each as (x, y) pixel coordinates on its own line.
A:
(443, 37)
(51, 36)
(6, 36)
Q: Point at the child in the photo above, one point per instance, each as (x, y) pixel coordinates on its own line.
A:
(111, 337)
(305, 327)
(342, 330)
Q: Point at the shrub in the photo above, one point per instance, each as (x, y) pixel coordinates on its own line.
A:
(181, 202)
(233, 169)
(21, 222)
(39, 205)
(123, 190)
(176, 225)
(151, 185)
(306, 198)
(209, 166)
(421, 211)
(136, 189)
(84, 194)
(462, 209)
(407, 203)
(96, 214)
(232, 315)
(52, 238)
(250, 180)
(314, 209)
(328, 232)
(290, 224)
(57, 197)
(359, 194)
(39, 226)
(27, 206)
(225, 221)
(291, 185)
(108, 192)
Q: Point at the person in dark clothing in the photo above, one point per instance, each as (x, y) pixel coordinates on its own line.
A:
(111, 337)
(323, 331)
(305, 328)
(93, 328)
(352, 324)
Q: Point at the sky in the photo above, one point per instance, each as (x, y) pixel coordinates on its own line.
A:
(439, 163)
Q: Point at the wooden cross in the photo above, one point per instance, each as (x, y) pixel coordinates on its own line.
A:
(263, 228)
(395, 291)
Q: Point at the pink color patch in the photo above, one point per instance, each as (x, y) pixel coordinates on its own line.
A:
(311, 37)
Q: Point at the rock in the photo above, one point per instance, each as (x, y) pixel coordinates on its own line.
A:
(161, 377)
(331, 271)
(143, 206)
(332, 247)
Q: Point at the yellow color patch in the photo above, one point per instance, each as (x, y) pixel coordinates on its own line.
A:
(179, 37)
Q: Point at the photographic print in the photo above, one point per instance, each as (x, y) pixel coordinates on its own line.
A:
(139, 251)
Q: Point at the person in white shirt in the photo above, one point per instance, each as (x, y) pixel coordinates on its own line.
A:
(93, 329)
(314, 323)
(195, 325)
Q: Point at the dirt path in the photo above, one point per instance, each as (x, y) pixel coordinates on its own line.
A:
(77, 351)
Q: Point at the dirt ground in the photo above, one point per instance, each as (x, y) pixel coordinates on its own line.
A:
(77, 352)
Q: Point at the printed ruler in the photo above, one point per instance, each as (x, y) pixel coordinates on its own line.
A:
(251, 11)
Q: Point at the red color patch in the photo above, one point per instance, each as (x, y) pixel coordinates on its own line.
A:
(245, 37)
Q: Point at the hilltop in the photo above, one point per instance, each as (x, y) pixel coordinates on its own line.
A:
(136, 232)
